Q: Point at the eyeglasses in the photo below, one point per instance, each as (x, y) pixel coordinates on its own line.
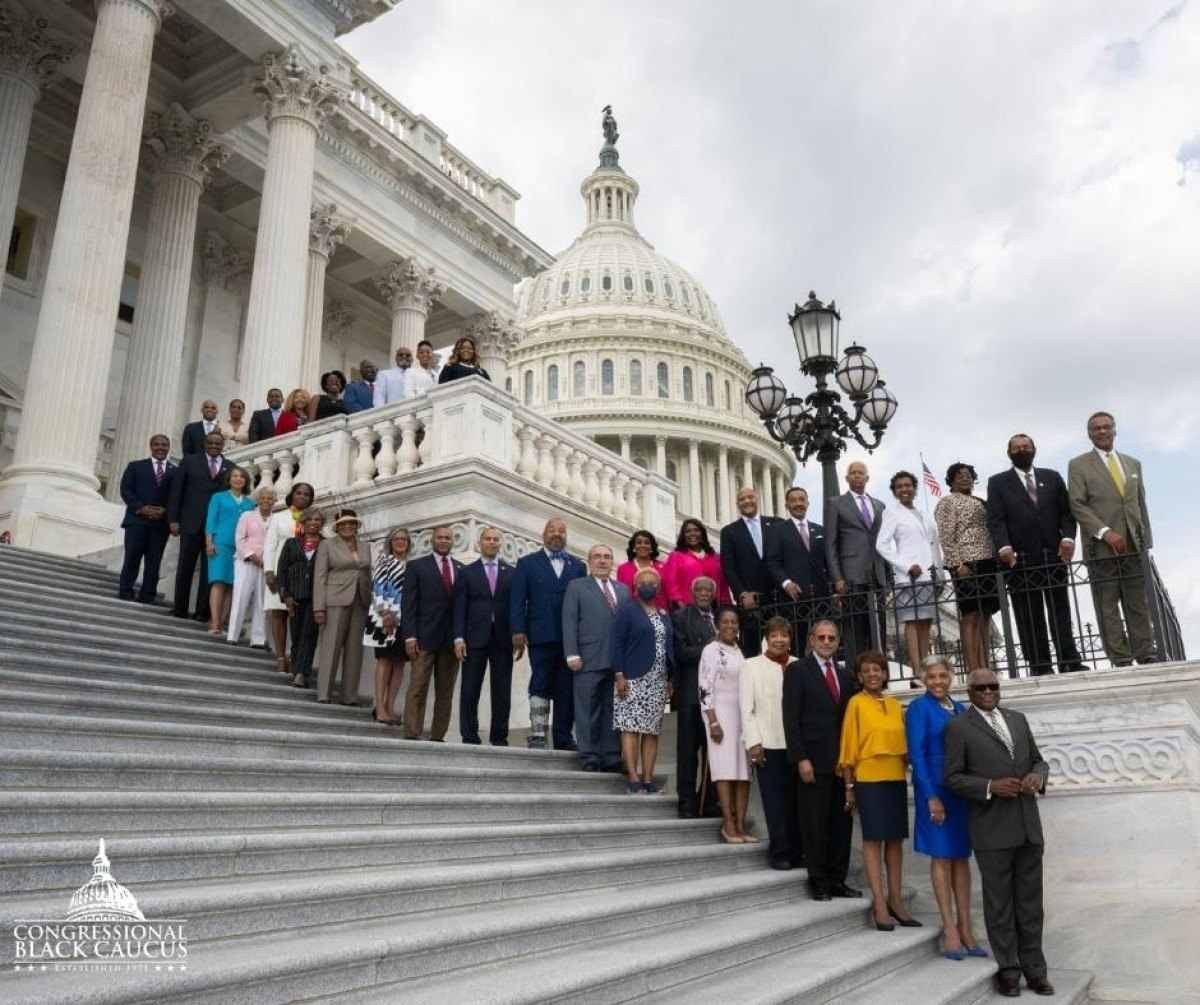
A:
(825, 638)
(984, 687)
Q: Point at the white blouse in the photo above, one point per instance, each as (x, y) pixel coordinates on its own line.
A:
(908, 538)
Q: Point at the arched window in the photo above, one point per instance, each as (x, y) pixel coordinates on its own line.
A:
(528, 387)
(672, 471)
(606, 283)
(710, 396)
(728, 397)
(627, 282)
(635, 377)
(579, 379)
(687, 384)
(606, 377)
(565, 288)
(552, 382)
(585, 284)
(668, 289)
(686, 298)
(508, 384)
(664, 380)
(648, 283)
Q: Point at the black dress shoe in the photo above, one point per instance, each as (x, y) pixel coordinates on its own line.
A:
(1073, 666)
(1009, 987)
(1039, 985)
(591, 766)
(820, 893)
(125, 596)
(1041, 671)
(904, 922)
(842, 890)
(782, 864)
(686, 812)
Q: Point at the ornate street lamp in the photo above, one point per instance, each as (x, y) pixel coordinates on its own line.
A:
(818, 425)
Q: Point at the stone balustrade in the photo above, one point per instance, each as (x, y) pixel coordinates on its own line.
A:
(466, 424)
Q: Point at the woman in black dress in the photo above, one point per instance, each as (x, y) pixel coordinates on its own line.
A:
(463, 362)
(329, 401)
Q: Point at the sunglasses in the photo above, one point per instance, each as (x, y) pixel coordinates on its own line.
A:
(985, 687)
(825, 638)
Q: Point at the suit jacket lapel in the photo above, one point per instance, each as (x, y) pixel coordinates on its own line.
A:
(975, 717)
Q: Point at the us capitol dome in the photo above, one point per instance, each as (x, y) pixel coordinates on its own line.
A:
(626, 347)
(102, 898)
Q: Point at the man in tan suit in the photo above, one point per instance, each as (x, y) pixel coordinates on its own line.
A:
(1108, 499)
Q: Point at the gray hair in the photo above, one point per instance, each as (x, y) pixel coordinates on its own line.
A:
(706, 581)
(263, 490)
(934, 660)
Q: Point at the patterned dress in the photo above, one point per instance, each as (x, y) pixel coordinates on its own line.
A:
(641, 710)
(720, 691)
(387, 589)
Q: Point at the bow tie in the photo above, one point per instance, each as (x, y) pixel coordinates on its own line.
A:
(558, 556)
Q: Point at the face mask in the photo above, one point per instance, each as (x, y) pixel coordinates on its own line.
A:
(1022, 459)
(647, 591)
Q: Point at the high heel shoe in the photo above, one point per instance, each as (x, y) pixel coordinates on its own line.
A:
(904, 922)
(977, 951)
(730, 840)
(880, 926)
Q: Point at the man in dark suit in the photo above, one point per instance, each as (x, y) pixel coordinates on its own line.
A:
(264, 420)
(535, 616)
(360, 394)
(199, 478)
(1033, 531)
(743, 545)
(815, 693)
(427, 623)
(589, 610)
(145, 486)
(858, 572)
(795, 558)
(695, 627)
(194, 433)
(993, 762)
(483, 640)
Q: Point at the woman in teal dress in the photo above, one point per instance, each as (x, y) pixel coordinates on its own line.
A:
(224, 511)
(940, 825)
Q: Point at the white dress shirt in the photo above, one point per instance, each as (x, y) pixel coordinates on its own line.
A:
(557, 564)
(275, 414)
(906, 538)
(209, 426)
(391, 385)
(420, 380)
(760, 686)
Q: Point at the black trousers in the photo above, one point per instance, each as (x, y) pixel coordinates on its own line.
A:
(191, 549)
(750, 632)
(777, 784)
(825, 829)
(861, 605)
(144, 546)
(1033, 594)
(690, 751)
(1012, 907)
(305, 633)
(495, 660)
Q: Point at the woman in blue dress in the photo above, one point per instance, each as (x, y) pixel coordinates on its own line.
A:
(220, 530)
(940, 825)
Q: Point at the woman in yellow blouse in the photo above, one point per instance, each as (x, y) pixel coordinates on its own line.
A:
(873, 759)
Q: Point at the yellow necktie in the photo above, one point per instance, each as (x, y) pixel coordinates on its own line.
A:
(1118, 478)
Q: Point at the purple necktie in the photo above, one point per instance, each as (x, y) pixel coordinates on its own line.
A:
(158, 473)
(867, 516)
(491, 575)
(214, 466)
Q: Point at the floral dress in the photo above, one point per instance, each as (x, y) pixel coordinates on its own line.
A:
(641, 710)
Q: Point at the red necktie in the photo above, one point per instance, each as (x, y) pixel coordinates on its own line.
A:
(447, 578)
(831, 682)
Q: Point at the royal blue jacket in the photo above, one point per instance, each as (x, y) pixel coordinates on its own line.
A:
(536, 598)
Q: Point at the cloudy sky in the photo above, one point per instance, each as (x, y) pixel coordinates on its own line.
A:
(1004, 197)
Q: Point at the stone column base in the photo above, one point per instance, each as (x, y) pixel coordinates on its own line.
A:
(57, 516)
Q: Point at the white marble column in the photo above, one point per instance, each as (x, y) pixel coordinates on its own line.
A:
(781, 486)
(410, 289)
(626, 441)
(747, 472)
(660, 455)
(183, 153)
(297, 98)
(694, 503)
(725, 503)
(326, 232)
(495, 337)
(768, 499)
(74, 340)
(28, 59)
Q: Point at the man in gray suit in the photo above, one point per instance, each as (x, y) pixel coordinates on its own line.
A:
(1108, 498)
(854, 566)
(589, 610)
(993, 762)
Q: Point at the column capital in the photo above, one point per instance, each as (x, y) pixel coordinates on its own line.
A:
(338, 319)
(221, 260)
(160, 10)
(182, 144)
(27, 51)
(327, 229)
(289, 87)
(494, 334)
(408, 284)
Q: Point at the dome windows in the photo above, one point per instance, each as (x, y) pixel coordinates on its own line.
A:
(635, 377)
(627, 282)
(585, 283)
(564, 288)
(551, 382)
(688, 389)
(728, 398)
(648, 283)
(579, 379)
(606, 282)
(606, 377)
(687, 299)
(664, 380)
(710, 394)
(528, 390)
(668, 289)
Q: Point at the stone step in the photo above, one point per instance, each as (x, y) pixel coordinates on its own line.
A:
(14, 555)
(315, 900)
(90, 813)
(65, 729)
(426, 952)
(56, 769)
(44, 864)
(30, 626)
(938, 981)
(824, 947)
(99, 582)
(100, 608)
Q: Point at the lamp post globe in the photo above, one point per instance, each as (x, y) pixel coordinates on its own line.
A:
(815, 328)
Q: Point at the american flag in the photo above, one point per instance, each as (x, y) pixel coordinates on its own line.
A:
(931, 483)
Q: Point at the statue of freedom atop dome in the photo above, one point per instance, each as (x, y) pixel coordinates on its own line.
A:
(609, 125)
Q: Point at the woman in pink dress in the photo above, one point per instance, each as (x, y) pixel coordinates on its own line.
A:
(720, 704)
(643, 554)
(693, 557)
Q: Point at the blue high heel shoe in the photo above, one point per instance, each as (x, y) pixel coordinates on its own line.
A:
(953, 954)
(978, 951)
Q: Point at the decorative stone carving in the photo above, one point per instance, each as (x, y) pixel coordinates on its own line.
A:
(408, 284)
(27, 52)
(339, 317)
(327, 229)
(222, 261)
(494, 335)
(290, 88)
(181, 144)
(1134, 760)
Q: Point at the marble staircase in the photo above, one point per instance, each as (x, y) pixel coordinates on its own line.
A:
(316, 856)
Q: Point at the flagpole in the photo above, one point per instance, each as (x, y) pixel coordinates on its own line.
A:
(924, 487)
